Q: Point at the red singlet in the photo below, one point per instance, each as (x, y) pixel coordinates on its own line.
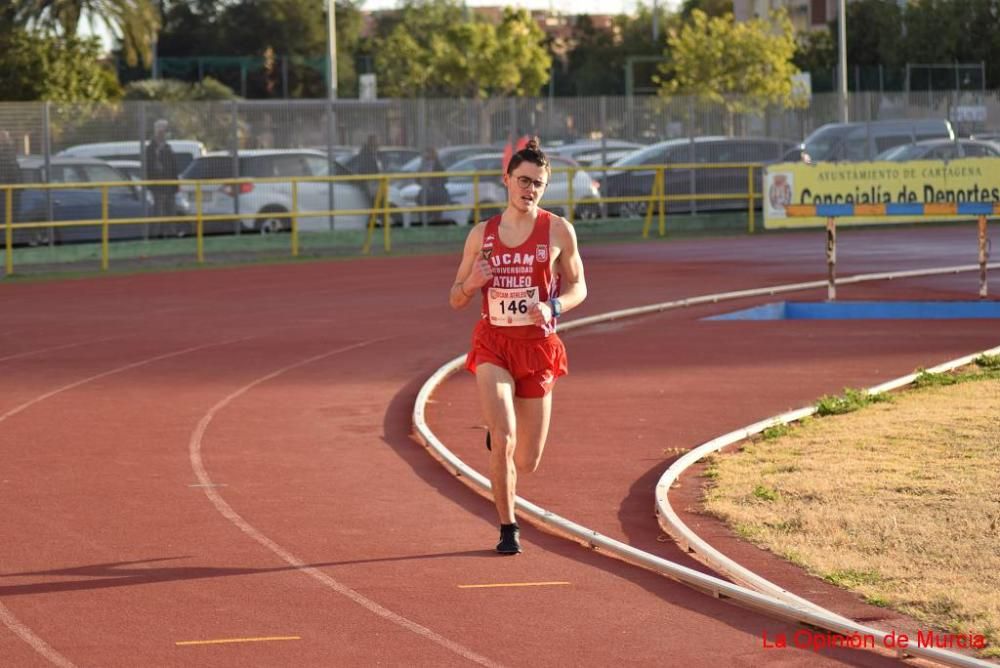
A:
(522, 276)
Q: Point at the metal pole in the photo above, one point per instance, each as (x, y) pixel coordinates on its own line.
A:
(656, 23)
(831, 259)
(235, 144)
(842, 67)
(331, 49)
(984, 256)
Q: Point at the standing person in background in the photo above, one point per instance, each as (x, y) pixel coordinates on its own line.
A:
(10, 173)
(432, 188)
(369, 163)
(161, 164)
(524, 268)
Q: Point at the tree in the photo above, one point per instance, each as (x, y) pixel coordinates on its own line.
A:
(133, 22)
(56, 69)
(434, 51)
(742, 66)
(266, 31)
(710, 7)
(875, 33)
(171, 90)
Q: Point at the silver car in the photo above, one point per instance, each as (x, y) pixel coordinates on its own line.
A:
(252, 197)
(493, 194)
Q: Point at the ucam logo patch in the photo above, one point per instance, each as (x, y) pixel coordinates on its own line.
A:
(542, 252)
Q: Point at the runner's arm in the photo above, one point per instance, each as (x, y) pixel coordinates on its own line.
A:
(472, 274)
(573, 284)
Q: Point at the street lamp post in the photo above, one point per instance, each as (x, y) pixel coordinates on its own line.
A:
(331, 48)
(842, 65)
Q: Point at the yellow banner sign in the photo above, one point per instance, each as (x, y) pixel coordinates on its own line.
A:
(791, 189)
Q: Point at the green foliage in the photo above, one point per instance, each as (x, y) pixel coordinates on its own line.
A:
(436, 52)
(875, 33)
(988, 362)
(710, 7)
(815, 51)
(35, 66)
(266, 31)
(134, 23)
(171, 90)
(849, 578)
(848, 402)
(777, 431)
(744, 67)
(927, 379)
(765, 493)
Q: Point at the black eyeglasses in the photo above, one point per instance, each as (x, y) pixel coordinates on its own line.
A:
(524, 182)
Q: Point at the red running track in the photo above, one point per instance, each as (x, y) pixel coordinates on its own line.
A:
(215, 468)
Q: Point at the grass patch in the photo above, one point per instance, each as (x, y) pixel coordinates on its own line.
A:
(850, 577)
(765, 493)
(927, 379)
(776, 431)
(898, 503)
(989, 362)
(848, 402)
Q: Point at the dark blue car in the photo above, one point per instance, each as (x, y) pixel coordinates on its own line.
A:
(68, 204)
(690, 180)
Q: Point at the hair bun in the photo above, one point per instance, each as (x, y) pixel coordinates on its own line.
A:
(533, 144)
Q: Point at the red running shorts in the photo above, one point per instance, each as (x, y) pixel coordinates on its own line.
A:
(534, 364)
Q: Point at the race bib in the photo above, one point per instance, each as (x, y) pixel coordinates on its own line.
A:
(509, 307)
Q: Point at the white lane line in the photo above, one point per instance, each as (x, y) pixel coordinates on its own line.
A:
(41, 351)
(104, 374)
(194, 451)
(6, 616)
(26, 634)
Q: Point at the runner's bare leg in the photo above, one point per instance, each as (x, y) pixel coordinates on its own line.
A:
(532, 431)
(496, 396)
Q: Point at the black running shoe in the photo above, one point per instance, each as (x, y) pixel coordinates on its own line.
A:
(509, 542)
(489, 446)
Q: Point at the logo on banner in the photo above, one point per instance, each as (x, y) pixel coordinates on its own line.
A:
(780, 193)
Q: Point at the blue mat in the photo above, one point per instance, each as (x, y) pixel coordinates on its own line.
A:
(866, 311)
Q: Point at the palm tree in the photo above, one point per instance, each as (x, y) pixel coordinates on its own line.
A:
(135, 23)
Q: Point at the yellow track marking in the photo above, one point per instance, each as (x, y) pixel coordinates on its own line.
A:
(512, 584)
(228, 641)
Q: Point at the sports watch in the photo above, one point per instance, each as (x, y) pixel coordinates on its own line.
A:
(556, 307)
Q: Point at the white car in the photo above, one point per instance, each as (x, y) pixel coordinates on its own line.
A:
(185, 150)
(276, 197)
(493, 194)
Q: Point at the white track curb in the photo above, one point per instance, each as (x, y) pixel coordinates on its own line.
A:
(787, 606)
(691, 542)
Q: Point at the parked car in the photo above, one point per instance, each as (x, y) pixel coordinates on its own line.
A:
(391, 158)
(133, 170)
(595, 153)
(941, 149)
(185, 150)
(449, 155)
(689, 181)
(70, 204)
(263, 198)
(493, 194)
(863, 141)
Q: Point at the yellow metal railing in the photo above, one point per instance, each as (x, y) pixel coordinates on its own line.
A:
(382, 208)
(657, 200)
